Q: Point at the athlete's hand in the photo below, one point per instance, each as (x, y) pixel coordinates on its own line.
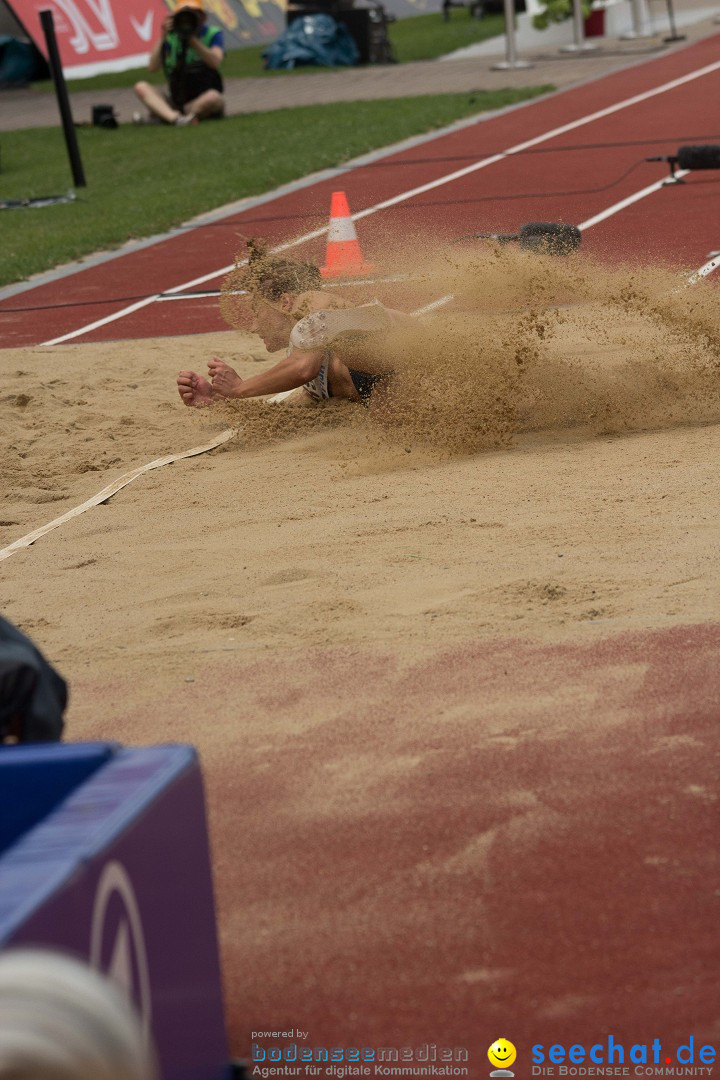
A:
(216, 365)
(225, 380)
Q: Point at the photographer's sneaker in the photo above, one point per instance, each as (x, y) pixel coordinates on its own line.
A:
(145, 120)
(186, 121)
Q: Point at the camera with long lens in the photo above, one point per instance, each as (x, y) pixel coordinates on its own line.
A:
(186, 23)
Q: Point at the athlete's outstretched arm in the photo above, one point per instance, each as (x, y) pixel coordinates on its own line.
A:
(292, 371)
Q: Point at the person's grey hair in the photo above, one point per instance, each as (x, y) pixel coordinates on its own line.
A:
(60, 1020)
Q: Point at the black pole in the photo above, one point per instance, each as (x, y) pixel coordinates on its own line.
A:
(48, 25)
(674, 36)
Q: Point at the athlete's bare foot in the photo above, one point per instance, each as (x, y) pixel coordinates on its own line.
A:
(225, 380)
(195, 390)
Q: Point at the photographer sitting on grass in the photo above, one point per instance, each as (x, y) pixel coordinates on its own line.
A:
(190, 53)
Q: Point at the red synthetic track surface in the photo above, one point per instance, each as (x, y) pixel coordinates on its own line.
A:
(431, 864)
(549, 880)
(568, 178)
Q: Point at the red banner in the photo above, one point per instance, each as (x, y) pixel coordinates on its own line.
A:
(95, 35)
(114, 35)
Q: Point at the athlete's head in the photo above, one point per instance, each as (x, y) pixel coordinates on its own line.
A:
(273, 276)
(262, 293)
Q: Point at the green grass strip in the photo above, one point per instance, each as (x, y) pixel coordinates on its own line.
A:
(145, 180)
(423, 37)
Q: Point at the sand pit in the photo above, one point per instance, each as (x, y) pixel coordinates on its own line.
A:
(396, 652)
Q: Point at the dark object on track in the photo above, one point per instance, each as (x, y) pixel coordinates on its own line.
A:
(698, 157)
(690, 157)
(542, 237)
(550, 238)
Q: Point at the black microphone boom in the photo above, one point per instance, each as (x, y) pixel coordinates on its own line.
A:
(699, 157)
(690, 158)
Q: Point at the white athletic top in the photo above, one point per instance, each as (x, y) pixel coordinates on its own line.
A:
(320, 329)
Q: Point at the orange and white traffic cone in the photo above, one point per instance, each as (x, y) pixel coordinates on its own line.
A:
(343, 258)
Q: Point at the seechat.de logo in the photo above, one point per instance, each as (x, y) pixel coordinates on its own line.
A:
(502, 1054)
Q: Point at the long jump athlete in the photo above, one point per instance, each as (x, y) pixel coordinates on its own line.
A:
(329, 342)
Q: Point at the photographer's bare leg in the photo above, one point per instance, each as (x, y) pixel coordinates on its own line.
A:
(155, 102)
(211, 103)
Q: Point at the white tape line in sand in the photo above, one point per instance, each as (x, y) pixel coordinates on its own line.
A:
(404, 196)
(112, 489)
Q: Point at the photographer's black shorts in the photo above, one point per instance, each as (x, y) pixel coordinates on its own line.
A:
(191, 82)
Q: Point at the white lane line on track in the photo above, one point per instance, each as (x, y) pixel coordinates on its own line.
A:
(103, 322)
(435, 304)
(704, 270)
(636, 197)
(163, 298)
(449, 178)
(212, 293)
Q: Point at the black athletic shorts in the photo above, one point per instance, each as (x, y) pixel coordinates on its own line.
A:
(365, 384)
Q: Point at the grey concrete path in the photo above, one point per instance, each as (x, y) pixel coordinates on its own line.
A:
(29, 108)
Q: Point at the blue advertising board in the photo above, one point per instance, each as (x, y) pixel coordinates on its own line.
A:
(104, 854)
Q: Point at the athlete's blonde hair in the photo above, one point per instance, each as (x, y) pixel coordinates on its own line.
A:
(260, 274)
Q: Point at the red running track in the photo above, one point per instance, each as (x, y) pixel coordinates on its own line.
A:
(566, 176)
